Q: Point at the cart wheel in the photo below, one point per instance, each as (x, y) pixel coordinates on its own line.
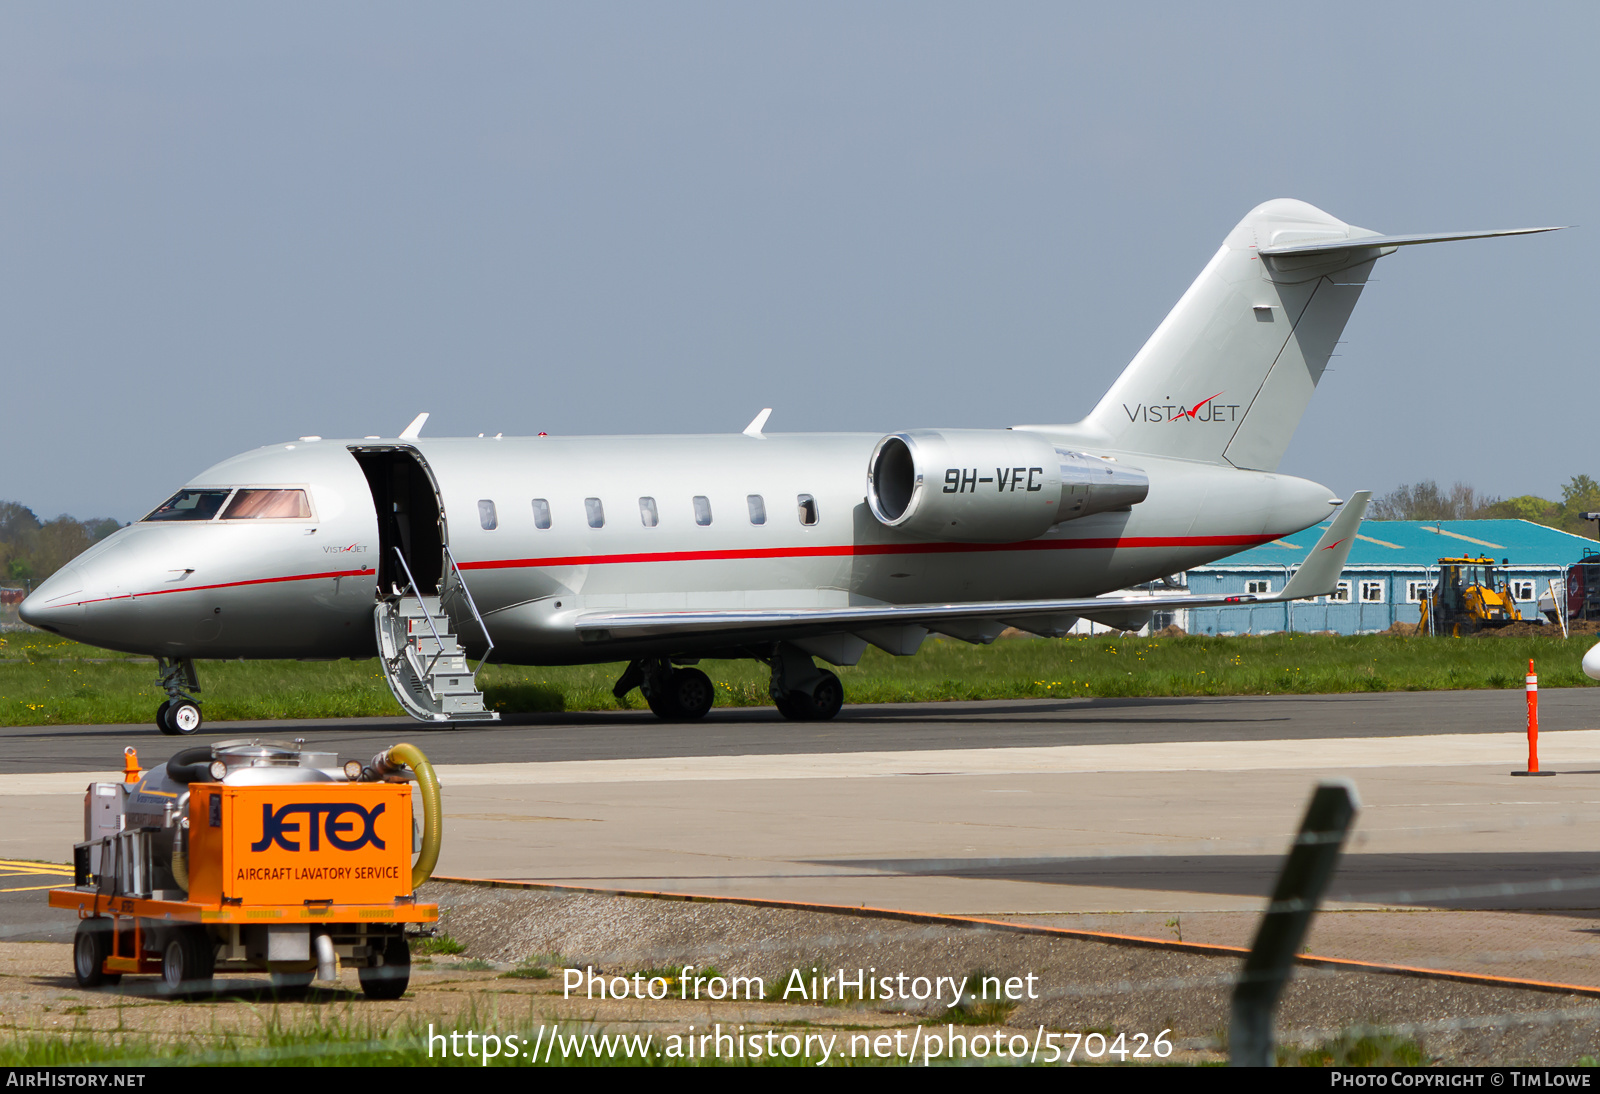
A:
(90, 948)
(188, 961)
(388, 980)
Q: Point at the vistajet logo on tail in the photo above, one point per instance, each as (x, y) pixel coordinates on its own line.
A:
(1206, 410)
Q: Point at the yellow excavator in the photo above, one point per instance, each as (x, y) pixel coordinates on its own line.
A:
(1470, 595)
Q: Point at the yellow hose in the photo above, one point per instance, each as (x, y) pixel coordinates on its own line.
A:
(432, 814)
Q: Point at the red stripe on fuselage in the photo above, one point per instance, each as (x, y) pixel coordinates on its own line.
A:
(851, 549)
(223, 585)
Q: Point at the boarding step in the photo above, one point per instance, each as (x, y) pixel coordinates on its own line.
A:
(426, 668)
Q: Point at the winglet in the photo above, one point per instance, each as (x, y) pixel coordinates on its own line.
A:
(1319, 574)
(414, 430)
(757, 424)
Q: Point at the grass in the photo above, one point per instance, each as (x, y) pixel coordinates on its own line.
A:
(436, 944)
(45, 680)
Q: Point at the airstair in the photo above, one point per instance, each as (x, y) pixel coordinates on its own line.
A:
(426, 667)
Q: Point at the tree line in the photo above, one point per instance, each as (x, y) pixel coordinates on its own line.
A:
(31, 549)
(1427, 501)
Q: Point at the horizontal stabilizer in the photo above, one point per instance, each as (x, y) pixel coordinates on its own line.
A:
(1319, 573)
(1321, 246)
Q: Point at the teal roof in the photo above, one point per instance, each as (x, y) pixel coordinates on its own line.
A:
(1415, 543)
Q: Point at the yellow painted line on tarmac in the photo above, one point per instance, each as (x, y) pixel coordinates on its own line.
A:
(34, 868)
(30, 889)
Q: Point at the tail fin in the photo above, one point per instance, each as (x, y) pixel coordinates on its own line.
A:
(1227, 375)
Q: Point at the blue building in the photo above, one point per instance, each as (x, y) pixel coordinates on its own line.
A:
(1391, 567)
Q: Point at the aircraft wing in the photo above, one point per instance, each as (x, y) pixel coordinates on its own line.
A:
(1318, 575)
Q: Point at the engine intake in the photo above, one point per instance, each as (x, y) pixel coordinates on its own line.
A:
(991, 485)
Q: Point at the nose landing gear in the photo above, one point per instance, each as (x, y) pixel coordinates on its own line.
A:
(179, 716)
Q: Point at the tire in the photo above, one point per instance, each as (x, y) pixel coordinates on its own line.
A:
(792, 705)
(826, 698)
(692, 693)
(183, 718)
(161, 718)
(661, 706)
(90, 948)
(389, 980)
(188, 960)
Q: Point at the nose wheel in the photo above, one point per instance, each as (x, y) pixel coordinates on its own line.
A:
(180, 715)
(179, 719)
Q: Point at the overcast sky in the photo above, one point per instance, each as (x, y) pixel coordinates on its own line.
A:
(222, 228)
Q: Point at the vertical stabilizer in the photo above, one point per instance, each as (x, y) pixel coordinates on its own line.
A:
(1229, 372)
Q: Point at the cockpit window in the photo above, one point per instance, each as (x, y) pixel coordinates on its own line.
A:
(268, 505)
(190, 505)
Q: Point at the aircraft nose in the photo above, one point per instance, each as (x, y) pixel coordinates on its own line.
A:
(1591, 663)
(57, 603)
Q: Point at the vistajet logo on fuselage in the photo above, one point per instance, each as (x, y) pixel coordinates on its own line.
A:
(1206, 410)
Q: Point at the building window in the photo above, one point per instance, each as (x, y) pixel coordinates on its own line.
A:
(1258, 586)
(1417, 591)
(1341, 594)
(596, 512)
(702, 510)
(486, 515)
(808, 509)
(758, 509)
(647, 512)
(1523, 589)
(1372, 592)
(541, 513)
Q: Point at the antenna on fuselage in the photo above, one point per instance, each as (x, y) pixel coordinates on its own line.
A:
(414, 430)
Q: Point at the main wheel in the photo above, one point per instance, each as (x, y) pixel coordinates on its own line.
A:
(692, 693)
(161, 717)
(90, 948)
(792, 705)
(388, 980)
(826, 697)
(188, 961)
(182, 718)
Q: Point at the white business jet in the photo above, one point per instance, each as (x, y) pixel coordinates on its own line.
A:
(662, 551)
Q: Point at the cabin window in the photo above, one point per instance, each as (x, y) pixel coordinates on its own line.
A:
(648, 516)
(1372, 592)
(596, 512)
(268, 505)
(1417, 591)
(486, 515)
(541, 513)
(1258, 586)
(702, 510)
(190, 505)
(758, 509)
(1522, 590)
(808, 509)
(1340, 594)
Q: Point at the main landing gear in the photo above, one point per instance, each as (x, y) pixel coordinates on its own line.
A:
(675, 694)
(179, 716)
(802, 691)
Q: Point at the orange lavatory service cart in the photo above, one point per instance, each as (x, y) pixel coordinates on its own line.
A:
(255, 855)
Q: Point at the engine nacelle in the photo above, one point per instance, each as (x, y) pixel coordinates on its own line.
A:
(990, 485)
